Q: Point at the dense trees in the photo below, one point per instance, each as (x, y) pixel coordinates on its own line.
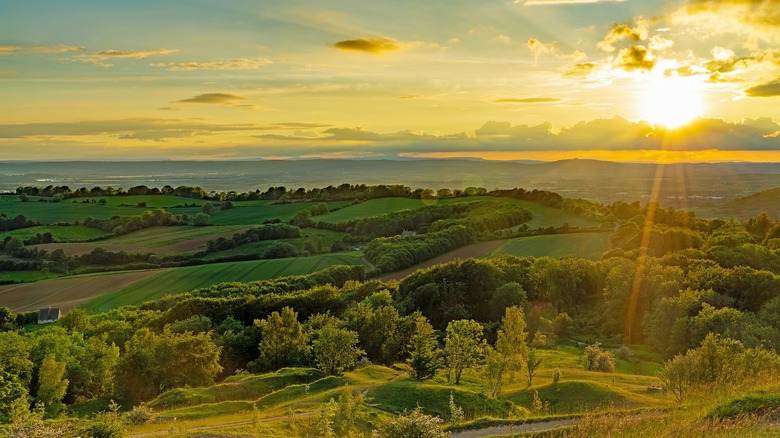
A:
(464, 344)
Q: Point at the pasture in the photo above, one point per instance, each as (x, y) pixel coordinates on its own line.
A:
(582, 245)
(184, 279)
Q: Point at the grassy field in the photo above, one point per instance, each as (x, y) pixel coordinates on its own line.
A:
(177, 280)
(26, 276)
(326, 238)
(60, 233)
(163, 236)
(255, 212)
(65, 211)
(152, 201)
(375, 207)
(583, 245)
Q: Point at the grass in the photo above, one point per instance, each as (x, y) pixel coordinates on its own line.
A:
(434, 398)
(61, 233)
(163, 236)
(239, 387)
(184, 279)
(257, 213)
(66, 211)
(308, 234)
(576, 396)
(26, 276)
(379, 206)
(583, 245)
(152, 201)
(758, 402)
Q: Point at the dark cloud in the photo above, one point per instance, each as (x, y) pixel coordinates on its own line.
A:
(765, 90)
(635, 58)
(529, 100)
(369, 45)
(214, 98)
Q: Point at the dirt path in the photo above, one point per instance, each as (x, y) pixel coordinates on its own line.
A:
(475, 250)
(67, 292)
(542, 426)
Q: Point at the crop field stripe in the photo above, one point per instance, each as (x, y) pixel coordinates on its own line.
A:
(316, 265)
(284, 268)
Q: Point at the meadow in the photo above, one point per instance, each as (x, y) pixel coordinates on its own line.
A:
(583, 245)
(184, 279)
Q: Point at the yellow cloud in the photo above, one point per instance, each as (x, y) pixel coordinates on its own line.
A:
(97, 58)
(369, 45)
(234, 64)
(214, 98)
(18, 50)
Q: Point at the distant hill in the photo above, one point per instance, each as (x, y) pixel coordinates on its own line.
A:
(767, 201)
(680, 185)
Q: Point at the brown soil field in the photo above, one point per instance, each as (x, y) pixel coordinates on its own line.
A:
(81, 248)
(65, 293)
(469, 251)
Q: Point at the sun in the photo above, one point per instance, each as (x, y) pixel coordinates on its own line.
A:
(671, 101)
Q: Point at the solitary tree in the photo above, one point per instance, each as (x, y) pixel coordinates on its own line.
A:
(532, 364)
(52, 386)
(464, 344)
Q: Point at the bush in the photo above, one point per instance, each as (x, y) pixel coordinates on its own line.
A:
(598, 360)
(280, 250)
(140, 414)
(556, 375)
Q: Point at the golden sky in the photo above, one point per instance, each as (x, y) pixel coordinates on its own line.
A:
(538, 79)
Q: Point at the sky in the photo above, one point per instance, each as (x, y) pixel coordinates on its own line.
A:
(637, 80)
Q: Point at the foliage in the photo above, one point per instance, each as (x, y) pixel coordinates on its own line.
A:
(335, 349)
(284, 343)
(51, 385)
(464, 344)
(509, 353)
(532, 365)
(412, 424)
(424, 358)
(598, 360)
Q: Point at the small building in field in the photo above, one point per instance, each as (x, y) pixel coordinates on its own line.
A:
(51, 314)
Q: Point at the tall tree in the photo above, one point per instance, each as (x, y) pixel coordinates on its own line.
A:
(510, 351)
(532, 364)
(51, 385)
(284, 341)
(335, 349)
(464, 345)
(423, 349)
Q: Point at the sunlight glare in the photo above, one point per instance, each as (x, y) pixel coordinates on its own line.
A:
(671, 101)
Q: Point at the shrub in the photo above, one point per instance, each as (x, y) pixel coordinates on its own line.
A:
(140, 414)
(556, 375)
(598, 360)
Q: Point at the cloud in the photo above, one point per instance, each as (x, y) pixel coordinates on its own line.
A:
(234, 64)
(369, 45)
(765, 90)
(539, 48)
(529, 100)
(98, 58)
(214, 98)
(18, 50)
(622, 32)
(635, 58)
(502, 39)
(581, 70)
(562, 2)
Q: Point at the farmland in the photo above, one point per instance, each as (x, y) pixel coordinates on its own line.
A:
(177, 280)
(583, 245)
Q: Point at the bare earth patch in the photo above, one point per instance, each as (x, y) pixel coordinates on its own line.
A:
(466, 252)
(65, 293)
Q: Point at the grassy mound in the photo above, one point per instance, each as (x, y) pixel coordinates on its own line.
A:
(249, 387)
(401, 395)
(756, 403)
(579, 396)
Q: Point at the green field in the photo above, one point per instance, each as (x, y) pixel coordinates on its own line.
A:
(375, 207)
(61, 233)
(325, 236)
(184, 279)
(163, 236)
(152, 201)
(543, 216)
(256, 212)
(583, 245)
(65, 211)
(26, 276)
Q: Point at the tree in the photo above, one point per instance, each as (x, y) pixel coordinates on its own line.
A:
(15, 356)
(464, 345)
(76, 320)
(13, 395)
(423, 349)
(532, 365)
(413, 424)
(510, 350)
(598, 360)
(284, 343)
(24, 197)
(335, 349)
(51, 385)
(201, 219)
(207, 208)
